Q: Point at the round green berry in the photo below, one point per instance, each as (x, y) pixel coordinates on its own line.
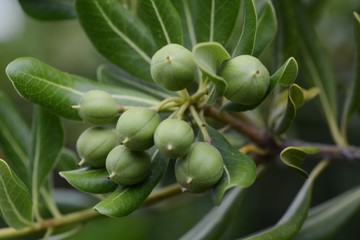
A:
(94, 144)
(173, 67)
(173, 138)
(200, 169)
(126, 167)
(98, 107)
(247, 79)
(136, 128)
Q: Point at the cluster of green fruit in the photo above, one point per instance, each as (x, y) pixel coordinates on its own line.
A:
(124, 150)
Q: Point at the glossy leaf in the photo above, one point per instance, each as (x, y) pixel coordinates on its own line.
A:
(208, 57)
(127, 199)
(246, 42)
(327, 218)
(118, 35)
(163, 21)
(15, 200)
(216, 221)
(295, 156)
(266, 28)
(239, 169)
(59, 91)
(47, 142)
(90, 180)
(14, 138)
(110, 75)
(49, 9)
(290, 223)
(352, 103)
(284, 76)
(68, 160)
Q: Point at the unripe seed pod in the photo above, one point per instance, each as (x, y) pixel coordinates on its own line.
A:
(173, 138)
(173, 67)
(247, 79)
(98, 107)
(200, 169)
(126, 167)
(94, 144)
(136, 128)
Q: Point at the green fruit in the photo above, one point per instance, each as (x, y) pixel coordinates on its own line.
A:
(94, 144)
(136, 128)
(126, 167)
(173, 67)
(200, 169)
(247, 80)
(173, 138)
(97, 107)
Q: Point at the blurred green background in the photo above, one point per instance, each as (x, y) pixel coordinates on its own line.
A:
(65, 46)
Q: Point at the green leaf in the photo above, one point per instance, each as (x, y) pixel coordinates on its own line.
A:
(294, 157)
(110, 75)
(47, 142)
(49, 9)
(90, 180)
(285, 76)
(208, 57)
(239, 169)
(352, 103)
(327, 218)
(246, 42)
(15, 201)
(266, 28)
(118, 35)
(127, 199)
(290, 223)
(216, 221)
(68, 160)
(14, 138)
(163, 21)
(59, 91)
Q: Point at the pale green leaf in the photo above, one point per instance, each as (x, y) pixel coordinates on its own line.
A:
(118, 35)
(246, 42)
(90, 180)
(14, 138)
(239, 169)
(327, 218)
(162, 20)
(15, 200)
(266, 28)
(208, 57)
(127, 199)
(68, 160)
(295, 156)
(59, 91)
(49, 9)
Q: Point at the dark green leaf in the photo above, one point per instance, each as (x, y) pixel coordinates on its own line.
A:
(47, 142)
(327, 218)
(129, 198)
(294, 157)
(14, 138)
(239, 169)
(110, 75)
(15, 200)
(118, 35)
(246, 42)
(352, 103)
(163, 21)
(59, 91)
(90, 180)
(49, 9)
(266, 28)
(208, 57)
(290, 223)
(216, 221)
(68, 160)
